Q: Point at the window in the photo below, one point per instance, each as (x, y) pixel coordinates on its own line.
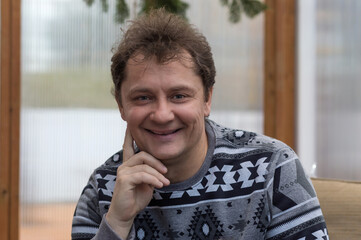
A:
(69, 120)
(329, 88)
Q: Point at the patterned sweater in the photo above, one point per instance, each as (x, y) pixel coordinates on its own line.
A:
(249, 187)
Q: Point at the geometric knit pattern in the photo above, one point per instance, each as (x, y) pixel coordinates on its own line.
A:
(259, 220)
(249, 187)
(232, 180)
(146, 227)
(205, 225)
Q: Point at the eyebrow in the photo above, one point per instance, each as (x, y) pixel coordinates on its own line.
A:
(138, 90)
(172, 89)
(182, 88)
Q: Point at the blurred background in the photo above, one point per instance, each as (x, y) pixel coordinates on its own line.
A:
(70, 123)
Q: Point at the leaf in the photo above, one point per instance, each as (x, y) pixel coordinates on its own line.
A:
(235, 11)
(89, 2)
(252, 7)
(105, 5)
(121, 11)
(174, 6)
(224, 2)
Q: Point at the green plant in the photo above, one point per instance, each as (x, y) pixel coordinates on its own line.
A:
(236, 7)
(122, 10)
(250, 7)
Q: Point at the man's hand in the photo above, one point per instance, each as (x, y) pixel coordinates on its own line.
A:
(136, 179)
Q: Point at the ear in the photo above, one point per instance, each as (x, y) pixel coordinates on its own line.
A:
(208, 103)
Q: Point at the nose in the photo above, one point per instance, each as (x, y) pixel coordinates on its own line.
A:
(162, 112)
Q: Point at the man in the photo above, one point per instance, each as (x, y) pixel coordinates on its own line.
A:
(181, 175)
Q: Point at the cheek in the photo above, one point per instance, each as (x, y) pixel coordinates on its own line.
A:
(133, 116)
(191, 114)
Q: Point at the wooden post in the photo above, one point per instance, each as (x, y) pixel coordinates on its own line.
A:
(9, 119)
(279, 83)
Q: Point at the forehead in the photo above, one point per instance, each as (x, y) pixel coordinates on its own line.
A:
(142, 60)
(138, 65)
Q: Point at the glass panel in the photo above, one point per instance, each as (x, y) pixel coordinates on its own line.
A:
(336, 105)
(69, 121)
(238, 53)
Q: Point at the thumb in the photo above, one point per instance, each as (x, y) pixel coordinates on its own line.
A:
(128, 149)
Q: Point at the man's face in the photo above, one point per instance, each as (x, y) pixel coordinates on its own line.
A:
(164, 107)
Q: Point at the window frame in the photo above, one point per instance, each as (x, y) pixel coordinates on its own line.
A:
(279, 95)
(9, 119)
(279, 107)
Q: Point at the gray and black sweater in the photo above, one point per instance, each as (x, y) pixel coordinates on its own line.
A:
(249, 187)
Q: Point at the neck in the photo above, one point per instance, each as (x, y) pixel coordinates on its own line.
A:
(182, 169)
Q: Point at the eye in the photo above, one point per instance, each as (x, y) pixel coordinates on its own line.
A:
(179, 96)
(142, 98)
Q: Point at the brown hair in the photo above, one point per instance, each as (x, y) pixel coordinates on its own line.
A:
(164, 36)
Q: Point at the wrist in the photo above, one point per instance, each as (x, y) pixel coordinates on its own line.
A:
(121, 228)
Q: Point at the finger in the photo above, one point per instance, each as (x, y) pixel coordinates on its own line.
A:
(128, 150)
(145, 158)
(146, 178)
(146, 169)
(139, 178)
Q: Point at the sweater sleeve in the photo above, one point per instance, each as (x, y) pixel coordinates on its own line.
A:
(295, 211)
(87, 216)
(106, 232)
(88, 221)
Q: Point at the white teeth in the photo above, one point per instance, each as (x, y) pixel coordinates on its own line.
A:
(163, 133)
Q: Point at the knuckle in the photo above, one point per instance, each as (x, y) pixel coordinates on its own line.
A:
(143, 167)
(121, 170)
(142, 176)
(142, 154)
(121, 179)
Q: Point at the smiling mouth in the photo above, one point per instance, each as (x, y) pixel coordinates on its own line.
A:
(163, 133)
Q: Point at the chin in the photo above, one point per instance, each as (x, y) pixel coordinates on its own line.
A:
(163, 156)
(163, 151)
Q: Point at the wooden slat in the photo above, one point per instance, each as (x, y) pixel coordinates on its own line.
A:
(279, 93)
(15, 117)
(269, 69)
(5, 122)
(9, 119)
